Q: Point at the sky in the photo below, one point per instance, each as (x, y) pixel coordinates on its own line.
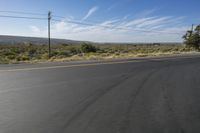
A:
(110, 20)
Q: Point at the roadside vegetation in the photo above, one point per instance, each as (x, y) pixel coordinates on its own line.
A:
(86, 51)
(31, 53)
(192, 38)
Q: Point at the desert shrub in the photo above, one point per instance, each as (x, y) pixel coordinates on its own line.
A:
(74, 50)
(22, 58)
(32, 52)
(65, 44)
(87, 48)
(54, 53)
(64, 53)
(9, 53)
(45, 56)
(25, 58)
(11, 57)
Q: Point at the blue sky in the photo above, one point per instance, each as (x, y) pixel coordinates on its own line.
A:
(129, 20)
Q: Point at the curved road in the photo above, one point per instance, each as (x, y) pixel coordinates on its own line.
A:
(154, 95)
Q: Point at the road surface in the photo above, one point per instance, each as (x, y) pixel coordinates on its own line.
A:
(155, 95)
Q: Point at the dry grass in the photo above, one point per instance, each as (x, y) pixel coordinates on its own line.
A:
(39, 53)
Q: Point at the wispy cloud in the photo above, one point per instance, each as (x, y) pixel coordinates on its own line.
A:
(153, 22)
(90, 12)
(146, 13)
(112, 6)
(121, 30)
(35, 28)
(126, 16)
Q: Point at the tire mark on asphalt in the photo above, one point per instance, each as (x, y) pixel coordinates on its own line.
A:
(89, 101)
(124, 129)
(171, 109)
(136, 93)
(169, 105)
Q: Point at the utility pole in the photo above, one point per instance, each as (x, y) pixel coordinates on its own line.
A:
(49, 33)
(192, 27)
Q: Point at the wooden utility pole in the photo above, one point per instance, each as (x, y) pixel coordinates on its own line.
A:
(192, 27)
(49, 33)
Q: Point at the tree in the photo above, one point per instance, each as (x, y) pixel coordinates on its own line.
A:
(192, 38)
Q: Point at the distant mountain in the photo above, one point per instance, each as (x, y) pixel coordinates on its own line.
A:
(35, 40)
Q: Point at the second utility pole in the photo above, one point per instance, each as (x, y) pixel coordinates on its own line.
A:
(49, 33)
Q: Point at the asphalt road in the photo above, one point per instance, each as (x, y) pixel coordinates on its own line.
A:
(160, 95)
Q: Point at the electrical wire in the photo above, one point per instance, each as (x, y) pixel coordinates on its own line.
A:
(117, 28)
(22, 17)
(77, 22)
(19, 12)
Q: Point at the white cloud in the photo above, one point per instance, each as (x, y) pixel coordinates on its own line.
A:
(146, 13)
(126, 17)
(35, 29)
(138, 21)
(153, 22)
(90, 12)
(112, 6)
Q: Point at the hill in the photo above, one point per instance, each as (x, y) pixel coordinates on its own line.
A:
(35, 40)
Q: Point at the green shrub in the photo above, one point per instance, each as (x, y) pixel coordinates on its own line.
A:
(25, 58)
(11, 57)
(9, 53)
(87, 48)
(32, 52)
(64, 53)
(74, 50)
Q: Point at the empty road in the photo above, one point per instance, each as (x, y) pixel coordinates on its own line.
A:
(154, 95)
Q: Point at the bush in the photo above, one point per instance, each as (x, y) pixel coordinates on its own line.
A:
(32, 52)
(64, 53)
(25, 58)
(74, 50)
(11, 57)
(87, 48)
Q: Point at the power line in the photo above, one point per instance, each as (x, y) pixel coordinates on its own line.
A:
(75, 22)
(62, 17)
(56, 16)
(19, 12)
(117, 28)
(78, 22)
(92, 23)
(22, 17)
